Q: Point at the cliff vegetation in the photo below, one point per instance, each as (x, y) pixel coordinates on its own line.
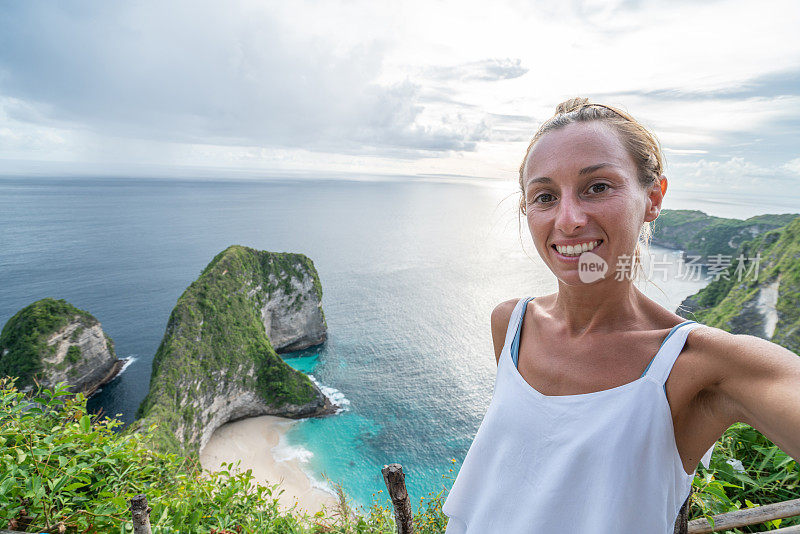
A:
(766, 305)
(699, 234)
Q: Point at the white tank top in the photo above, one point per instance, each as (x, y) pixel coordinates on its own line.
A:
(596, 462)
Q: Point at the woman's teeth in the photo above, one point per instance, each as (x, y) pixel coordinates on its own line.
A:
(577, 250)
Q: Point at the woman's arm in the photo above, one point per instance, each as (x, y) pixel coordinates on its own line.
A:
(758, 383)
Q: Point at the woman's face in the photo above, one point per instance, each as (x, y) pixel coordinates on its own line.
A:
(581, 188)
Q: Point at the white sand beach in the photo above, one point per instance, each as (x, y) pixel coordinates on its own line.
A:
(253, 441)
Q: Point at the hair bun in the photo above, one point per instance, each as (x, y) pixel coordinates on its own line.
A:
(571, 105)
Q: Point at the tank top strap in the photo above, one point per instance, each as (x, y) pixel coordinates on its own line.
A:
(514, 322)
(661, 364)
(515, 327)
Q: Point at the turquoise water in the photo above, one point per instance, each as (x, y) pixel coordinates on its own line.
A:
(410, 271)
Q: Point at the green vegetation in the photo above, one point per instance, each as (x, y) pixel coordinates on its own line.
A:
(59, 464)
(23, 341)
(704, 235)
(766, 475)
(109, 343)
(728, 303)
(76, 334)
(676, 218)
(215, 342)
(73, 354)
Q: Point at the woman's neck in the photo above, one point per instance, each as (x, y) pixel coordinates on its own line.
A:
(596, 307)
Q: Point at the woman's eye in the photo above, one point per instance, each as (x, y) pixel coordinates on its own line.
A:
(538, 200)
(604, 186)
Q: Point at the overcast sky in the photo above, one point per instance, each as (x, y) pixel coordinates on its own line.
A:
(410, 88)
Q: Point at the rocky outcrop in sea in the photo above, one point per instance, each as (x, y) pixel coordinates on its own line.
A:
(218, 360)
(52, 341)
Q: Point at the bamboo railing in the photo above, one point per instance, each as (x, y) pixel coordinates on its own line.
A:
(743, 518)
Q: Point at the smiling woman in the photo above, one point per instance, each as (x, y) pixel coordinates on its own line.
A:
(604, 401)
(633, 149)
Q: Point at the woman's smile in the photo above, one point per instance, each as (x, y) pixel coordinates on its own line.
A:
(572, 253)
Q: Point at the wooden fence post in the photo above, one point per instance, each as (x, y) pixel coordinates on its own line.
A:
(141, 515)
(395, 481)
(682, 522)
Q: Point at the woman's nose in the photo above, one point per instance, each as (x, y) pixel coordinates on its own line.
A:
(570, 215)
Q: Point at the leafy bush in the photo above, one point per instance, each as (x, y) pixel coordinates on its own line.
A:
(60, 465)
(746, 470)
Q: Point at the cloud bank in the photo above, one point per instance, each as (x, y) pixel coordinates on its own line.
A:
(417, 87)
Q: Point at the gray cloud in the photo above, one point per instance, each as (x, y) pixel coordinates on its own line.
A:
(487, 70)
(207, 73)
(771, 85)
(776, 141)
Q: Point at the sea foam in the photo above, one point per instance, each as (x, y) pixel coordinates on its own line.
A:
(333, 394)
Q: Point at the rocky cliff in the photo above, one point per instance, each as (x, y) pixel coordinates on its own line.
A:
(764, 304)
(52, 341)
(218, 359)
(698, 234)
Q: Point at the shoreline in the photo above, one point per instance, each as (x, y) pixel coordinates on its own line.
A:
(255, 441)
(116, 369)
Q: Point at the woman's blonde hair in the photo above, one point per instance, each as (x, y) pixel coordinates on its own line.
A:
(641, 144)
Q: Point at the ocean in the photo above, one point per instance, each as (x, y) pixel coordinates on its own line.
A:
(410, 269)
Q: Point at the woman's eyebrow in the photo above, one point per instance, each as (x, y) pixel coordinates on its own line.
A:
(541, 179)
(592, 168)
(586, 170)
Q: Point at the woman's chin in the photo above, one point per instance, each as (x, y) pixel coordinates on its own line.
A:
(574, 280)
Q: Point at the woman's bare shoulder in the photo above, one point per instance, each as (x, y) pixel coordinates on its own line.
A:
(502, 312)
(501, 315)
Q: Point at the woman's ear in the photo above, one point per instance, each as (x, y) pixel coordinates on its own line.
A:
(655, 197)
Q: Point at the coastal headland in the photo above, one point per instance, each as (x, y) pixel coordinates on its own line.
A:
(217, 363)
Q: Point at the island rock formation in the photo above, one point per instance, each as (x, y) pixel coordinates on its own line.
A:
(52, 341)
(218, 359)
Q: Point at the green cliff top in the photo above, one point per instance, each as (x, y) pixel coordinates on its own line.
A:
(705, 235)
